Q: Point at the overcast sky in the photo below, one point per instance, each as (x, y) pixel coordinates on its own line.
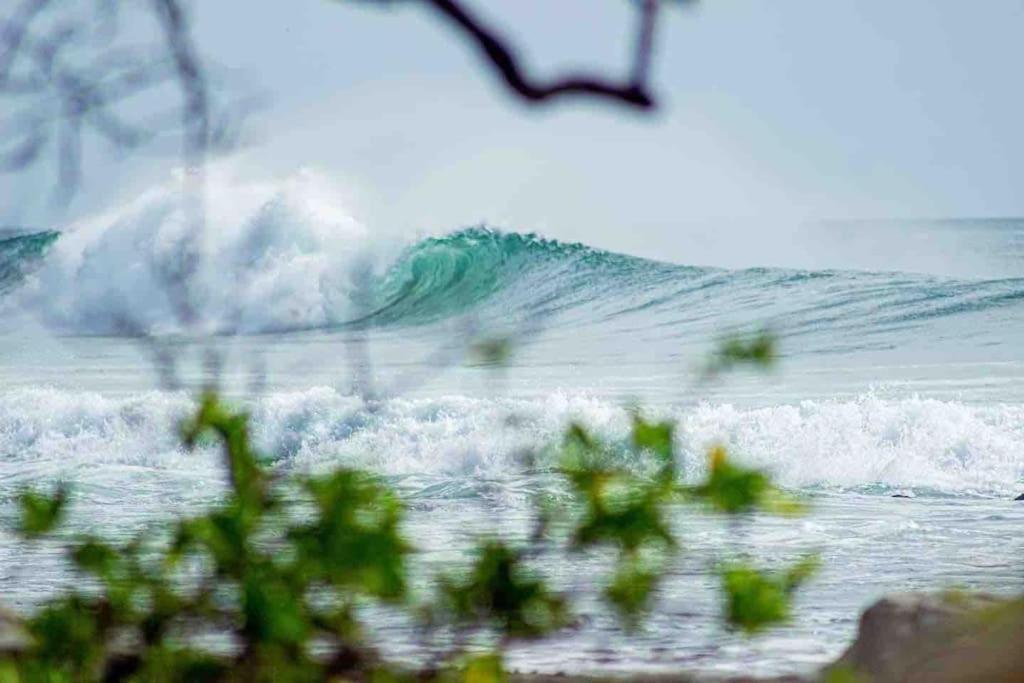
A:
(773, 113)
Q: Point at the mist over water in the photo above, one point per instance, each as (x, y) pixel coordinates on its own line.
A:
(901, 373)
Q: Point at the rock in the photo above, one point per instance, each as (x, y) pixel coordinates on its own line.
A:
(945, 638)
(1020, 497)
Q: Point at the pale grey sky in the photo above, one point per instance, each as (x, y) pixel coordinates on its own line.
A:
(773, 112)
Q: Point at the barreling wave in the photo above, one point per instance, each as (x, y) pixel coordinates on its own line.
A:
(517, 272)
(271, 283)
(453, 274)
(285, 257)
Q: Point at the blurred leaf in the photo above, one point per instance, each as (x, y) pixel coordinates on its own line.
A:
(67, 633)
(799, 573)
(9, 672)
(168, 664)
(274, 612)
(248, 481)
(499, 590)
(94, 556)
(487, 668)
(354, 541)
(619, 509)
(41, 513)
(656, 438)
(622, 513)
(733, 489)
(631, 589)
(756, 599)
(843, 674)
(494, 351)
(653, 436)
(758, 351)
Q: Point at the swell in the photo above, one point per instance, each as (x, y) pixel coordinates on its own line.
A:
(450, 275)
(502, 277)
(281, 272)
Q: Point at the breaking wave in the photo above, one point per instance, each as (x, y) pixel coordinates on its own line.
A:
(286, 257)
(459, 446)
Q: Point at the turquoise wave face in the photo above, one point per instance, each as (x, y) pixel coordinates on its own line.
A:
(20, 254)
(511, 276)
(506, 278)
(444, 276)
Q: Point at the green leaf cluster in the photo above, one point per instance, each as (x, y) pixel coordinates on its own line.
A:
(41, 513)
(500, 591)
(281, 567)
(277, 579)
(624, 511)
(733, 489)
(756, 599)
(759, 351)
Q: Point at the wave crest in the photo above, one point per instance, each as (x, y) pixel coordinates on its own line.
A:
(288, 256)
(272, 257)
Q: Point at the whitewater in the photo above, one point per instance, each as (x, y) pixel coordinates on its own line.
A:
(353, 348)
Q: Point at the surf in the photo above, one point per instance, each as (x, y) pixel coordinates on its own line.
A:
(287, 257)
(457, 446)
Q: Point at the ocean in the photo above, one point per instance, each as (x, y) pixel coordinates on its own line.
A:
(353, 349)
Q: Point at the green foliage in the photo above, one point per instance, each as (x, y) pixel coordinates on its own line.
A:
(733, 489)
(758, 351)
(354, 541)
(276, 584)
(282, 566)
(499, 590)
(624, 511)
(631, 589)
(656, 438)
(757, 599)
(844, 674)
(41, 513)
(68, 637)
(485, 668)
(619, 508)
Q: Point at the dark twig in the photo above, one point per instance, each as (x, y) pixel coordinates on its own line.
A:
(634, 92)
(644, 46)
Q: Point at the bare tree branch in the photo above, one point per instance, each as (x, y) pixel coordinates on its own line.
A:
(13, 33)
(195, 122)
(633, 92)
(644, 46)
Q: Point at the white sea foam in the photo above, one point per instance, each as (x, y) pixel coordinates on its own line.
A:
(272, 255)
(917, 444)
